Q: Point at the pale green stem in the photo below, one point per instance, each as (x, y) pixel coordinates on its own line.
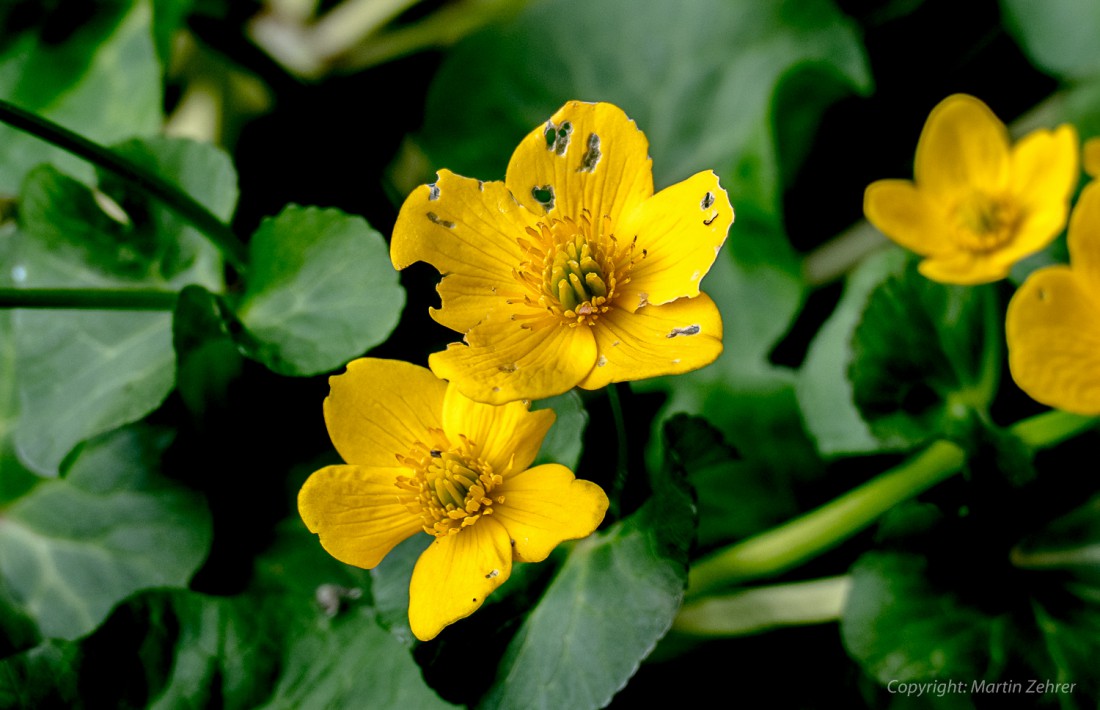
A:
(839, 255)
(442, 28)
(819, 530)
(1050, 428)
(784, 547)
(351, 22)
(765, 608)
(88, 299)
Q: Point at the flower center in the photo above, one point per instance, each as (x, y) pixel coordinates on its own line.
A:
(574, 268)
(985, 222)
(449, 490)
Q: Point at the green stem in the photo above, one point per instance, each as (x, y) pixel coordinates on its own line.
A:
(622, 464)
(171, 196)
(88, 299)
(1050, 428)
(819, 530)
(764, 608)
(784, 547)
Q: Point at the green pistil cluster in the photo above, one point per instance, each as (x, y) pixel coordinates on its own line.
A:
(575, 277)
(985, 222)
(449, 490)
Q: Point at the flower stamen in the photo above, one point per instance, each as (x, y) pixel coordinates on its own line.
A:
(984, 222)
(573, 269)
(449, 490)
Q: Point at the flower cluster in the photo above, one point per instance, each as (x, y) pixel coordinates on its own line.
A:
(977, 206)
(571, 272)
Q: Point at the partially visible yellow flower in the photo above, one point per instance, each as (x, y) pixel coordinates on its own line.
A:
(1092, 157)
(421, 456)
(571, 272)
(1053, 320)
(977, 204)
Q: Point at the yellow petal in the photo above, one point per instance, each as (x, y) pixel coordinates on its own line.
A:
(963, 147)
(455, 574)
(1036, 230)
(379, 409)
(508, 360)
(499, 433)
(1092, 157)
(356, 512)
(467, 228)
(656, 340)
(589, 156)
(1053, 333)
(544, 506)
(679, 232)
(1084, 235)
(1044, 169)
(907, 215)
(964, 268)
(467, 299)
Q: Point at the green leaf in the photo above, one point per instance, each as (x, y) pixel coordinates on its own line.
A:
(71, 549)
(390, 586)
(103, 81)
(565, 441)
(916, 355)
(223, 653)
(724, 59)
(207, 356)
(321, 290)
(350, 662)
(736, 498)
(899, 627)
(44, 676)
(823, 388)
(614, 597)
(757, 285)
(201, 170)
(85, 372)
(1058, 35)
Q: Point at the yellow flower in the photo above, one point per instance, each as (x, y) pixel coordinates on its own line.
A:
(571, 272)
(1053, 320)
(977, 204)
(421, 456)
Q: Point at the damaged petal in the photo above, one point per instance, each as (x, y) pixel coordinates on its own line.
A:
(592, 155)
(433, 191)
(557, 137)
(434, 219)
(544, 195)
(708, 200)
(686, 330)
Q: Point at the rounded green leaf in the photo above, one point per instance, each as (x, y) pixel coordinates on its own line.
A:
(320, 290)
(613, 599)
(81, 373)
(73, 548)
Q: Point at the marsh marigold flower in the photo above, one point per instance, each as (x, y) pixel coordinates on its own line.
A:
(423, 457)
(1053, 320)
(977, 204)
(571, 272)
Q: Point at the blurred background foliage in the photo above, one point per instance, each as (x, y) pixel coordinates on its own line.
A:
(150, 549)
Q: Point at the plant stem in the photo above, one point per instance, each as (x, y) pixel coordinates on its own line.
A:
(784, 547)
(88, 299)
(798, 540)
(764, 608)
(171, 196)
(1050, 428)
(622, 464)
